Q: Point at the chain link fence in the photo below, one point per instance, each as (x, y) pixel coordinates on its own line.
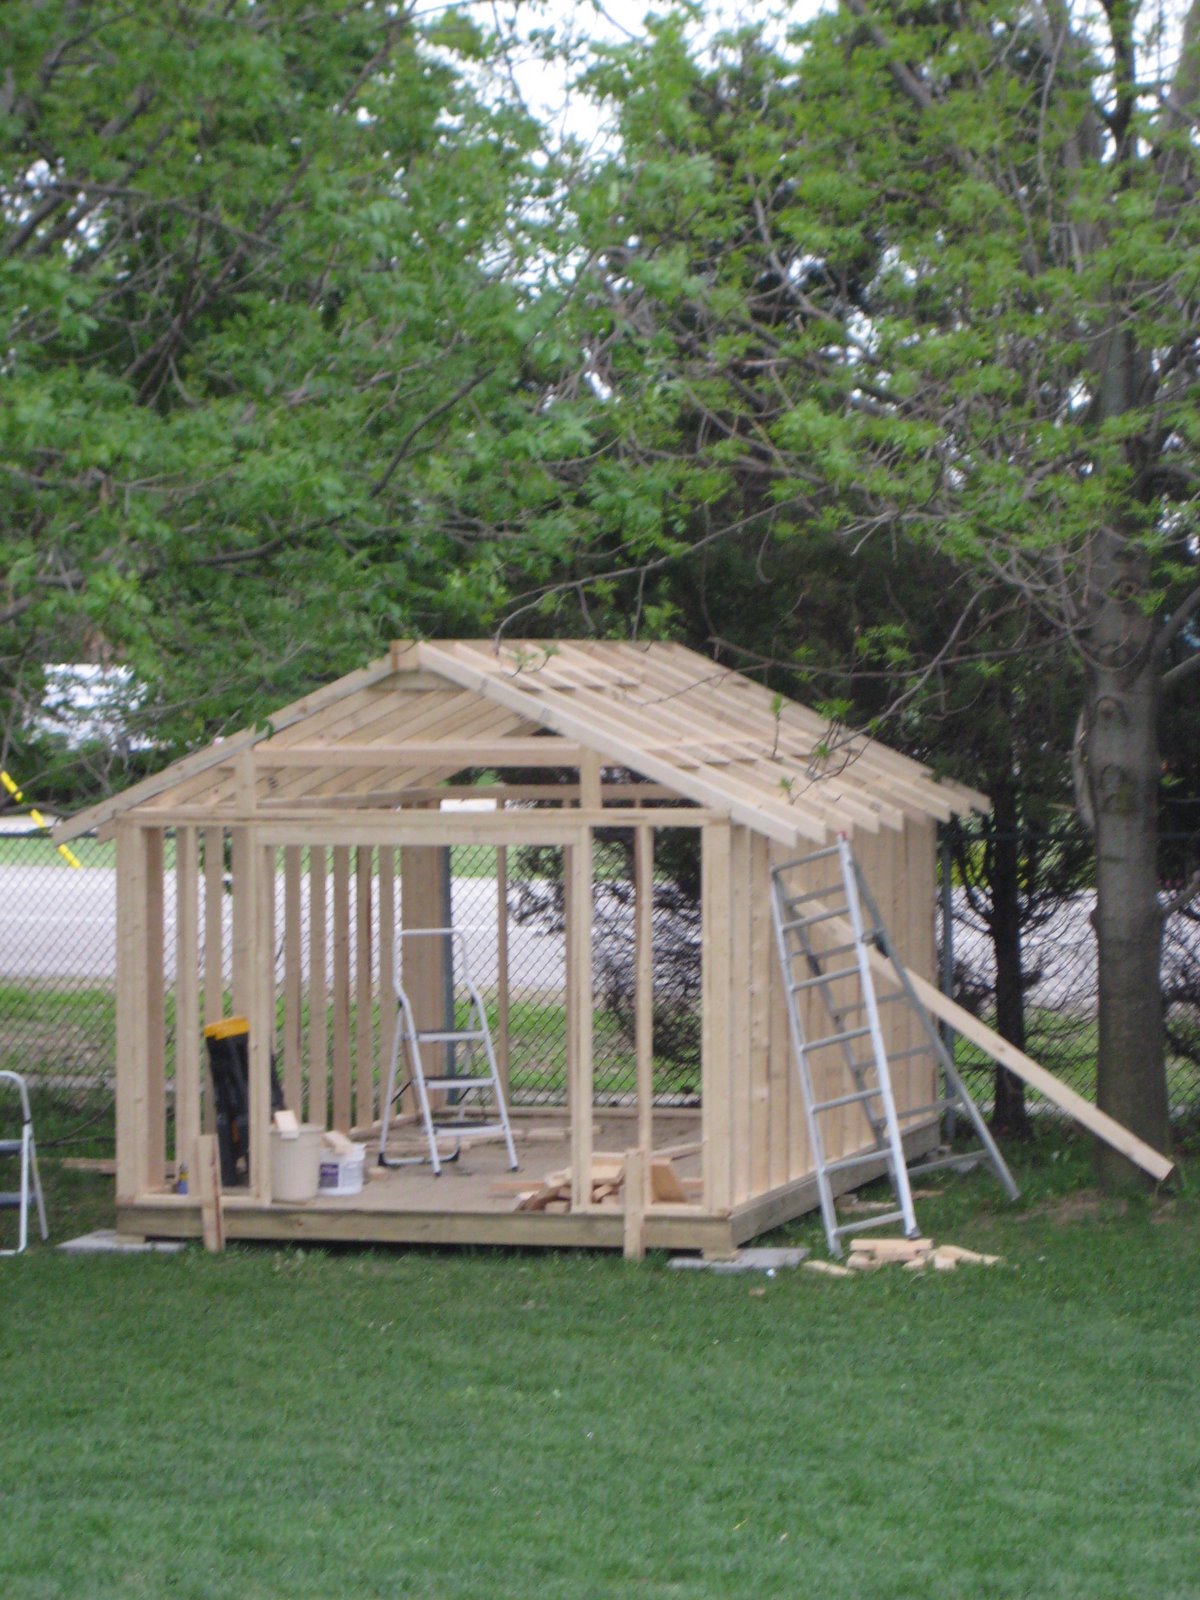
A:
(57, 1004)
(58, 965)
(1058, 981)
(58, 960)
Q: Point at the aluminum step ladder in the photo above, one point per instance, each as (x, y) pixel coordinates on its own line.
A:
(825, 937)
(485, 1085)
(25, 1150)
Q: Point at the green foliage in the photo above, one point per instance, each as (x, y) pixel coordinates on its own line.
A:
(259, 282)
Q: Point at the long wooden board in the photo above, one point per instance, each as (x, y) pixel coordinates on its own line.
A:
(993, 1044)
(1088, 1115)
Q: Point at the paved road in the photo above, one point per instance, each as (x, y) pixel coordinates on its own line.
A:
(60, 923)
(57, 923)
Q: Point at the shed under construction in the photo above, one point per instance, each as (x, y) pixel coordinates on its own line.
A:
(539, 798)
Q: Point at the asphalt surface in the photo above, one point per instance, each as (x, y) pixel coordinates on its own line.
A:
(59, 923)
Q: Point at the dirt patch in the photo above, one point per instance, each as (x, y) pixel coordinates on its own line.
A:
(1085, 1206)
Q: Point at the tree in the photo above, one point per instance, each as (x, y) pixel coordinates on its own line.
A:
(926, 275)
(261, 266)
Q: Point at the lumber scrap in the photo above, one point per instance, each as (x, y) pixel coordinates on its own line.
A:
(608, 1185)
(914, 1255)
(828, 1269)
(665, 1184)
(893, 1249)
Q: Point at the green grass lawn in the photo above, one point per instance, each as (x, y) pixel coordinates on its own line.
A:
(279, 1423)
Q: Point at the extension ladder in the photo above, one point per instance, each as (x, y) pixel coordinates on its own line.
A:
(825, 937)
(30, 1181)
(410, 1038)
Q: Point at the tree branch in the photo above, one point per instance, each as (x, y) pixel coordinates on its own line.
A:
(1184, 896)
(1176, 623)
(460, 393)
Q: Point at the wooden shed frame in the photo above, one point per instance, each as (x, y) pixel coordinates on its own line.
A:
(658, 737)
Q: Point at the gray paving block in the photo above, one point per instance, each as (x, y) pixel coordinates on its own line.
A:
(765, 1260)
(107, 1241)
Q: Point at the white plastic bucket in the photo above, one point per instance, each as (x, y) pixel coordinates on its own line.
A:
(296, 1164)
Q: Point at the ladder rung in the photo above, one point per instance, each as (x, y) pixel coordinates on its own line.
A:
(458, 1083)
(880, 1000)
(11, 1202)
(468, 1127)
(804, 967)
(825, 977)
(804, 861)
(845, 1100)
(837, 950)
(794, 900)
(436, 1036)
(969, 1158)
(870, 1222)
(846, 1162)
(821, 916)
(836, 1038)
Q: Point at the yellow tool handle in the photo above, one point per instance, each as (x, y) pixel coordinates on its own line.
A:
(39, 820)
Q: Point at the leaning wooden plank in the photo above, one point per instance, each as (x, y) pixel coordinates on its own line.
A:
(1090, 1116)
(964, 1022)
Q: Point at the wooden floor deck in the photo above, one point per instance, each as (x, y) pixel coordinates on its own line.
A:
(473, 1201)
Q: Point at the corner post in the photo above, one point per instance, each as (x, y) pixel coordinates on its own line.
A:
(579, 1017)
(261, 1010)
(716, 954)
(132, 1041)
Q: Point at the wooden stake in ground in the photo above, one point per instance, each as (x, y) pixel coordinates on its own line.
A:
(208, 1187)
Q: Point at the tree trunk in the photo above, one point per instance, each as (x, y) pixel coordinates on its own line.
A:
(1009, 1116)
(1122, 778)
